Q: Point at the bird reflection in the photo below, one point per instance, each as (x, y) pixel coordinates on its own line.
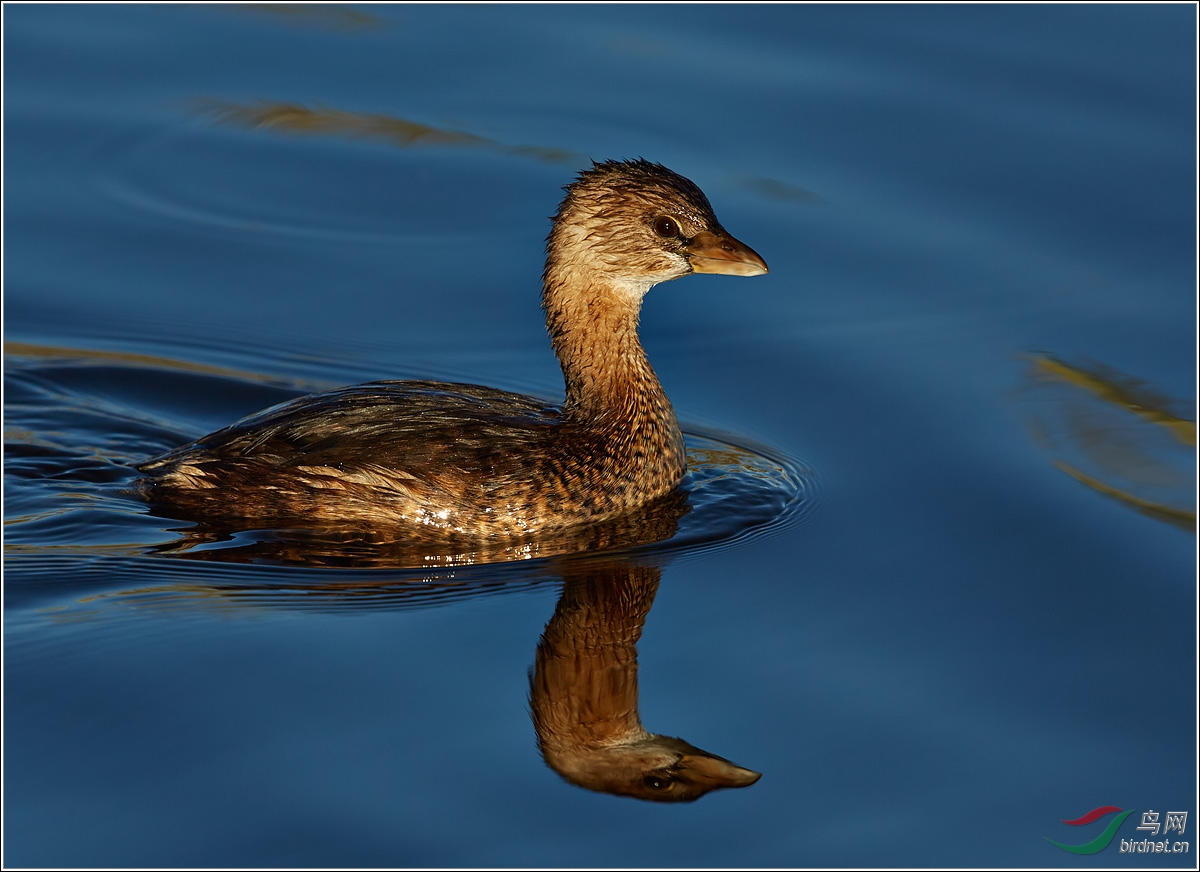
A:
(583, 686)
(351, 548)
(584, 694)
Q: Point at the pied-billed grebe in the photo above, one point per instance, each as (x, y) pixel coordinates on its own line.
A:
(456, 459)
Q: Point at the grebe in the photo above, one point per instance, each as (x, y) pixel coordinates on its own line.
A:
(463, 460)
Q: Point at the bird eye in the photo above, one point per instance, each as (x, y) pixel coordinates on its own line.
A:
(666, 227)
(655, 782)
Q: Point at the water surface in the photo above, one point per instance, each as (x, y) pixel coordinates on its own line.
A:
(935, 575)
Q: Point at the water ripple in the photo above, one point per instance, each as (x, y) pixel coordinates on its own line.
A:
(76, 535)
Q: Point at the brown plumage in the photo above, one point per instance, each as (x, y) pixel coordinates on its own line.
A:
(473, 461)
(583, 694)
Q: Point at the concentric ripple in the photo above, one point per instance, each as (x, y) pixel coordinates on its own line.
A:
(76, 422)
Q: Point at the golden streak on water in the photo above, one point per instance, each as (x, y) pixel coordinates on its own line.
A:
(1120, 391)
(1181, 518)
(1126, 452)
(124, 358)
(332, 17)
(320, 120)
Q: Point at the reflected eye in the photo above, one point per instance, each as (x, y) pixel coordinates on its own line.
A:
(666, 227)
(655, 782)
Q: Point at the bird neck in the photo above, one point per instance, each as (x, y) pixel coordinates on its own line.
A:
(593, 326)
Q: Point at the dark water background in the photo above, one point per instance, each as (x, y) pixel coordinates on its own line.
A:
(965, 607)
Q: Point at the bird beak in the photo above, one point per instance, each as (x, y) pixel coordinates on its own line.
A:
(720, 253)
(713, 771)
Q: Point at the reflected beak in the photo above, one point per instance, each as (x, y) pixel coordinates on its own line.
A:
(719, 253)
(708, 769)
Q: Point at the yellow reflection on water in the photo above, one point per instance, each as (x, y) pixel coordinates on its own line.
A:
(127, 358)
(1119, 390)
(320, 120)
(324, 15)
(1116, 435)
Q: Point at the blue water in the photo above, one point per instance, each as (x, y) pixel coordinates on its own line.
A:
(949, 601)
